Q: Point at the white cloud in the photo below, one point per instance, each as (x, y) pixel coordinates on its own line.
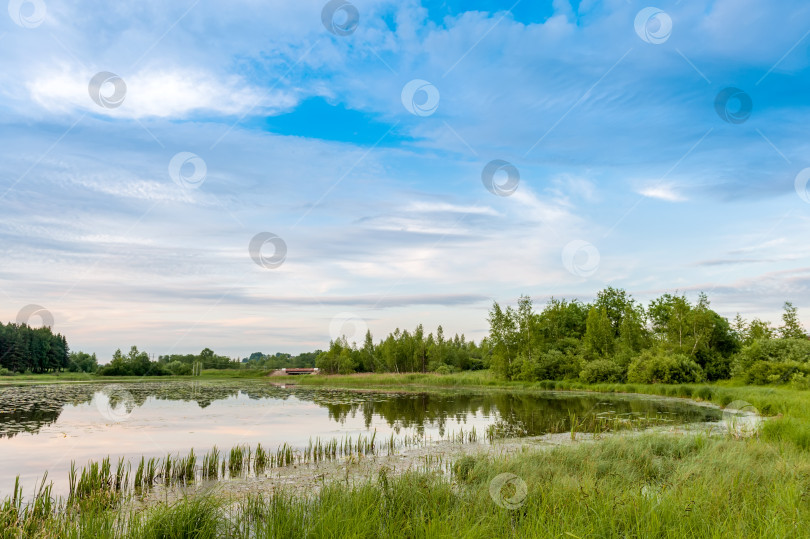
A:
(162, 93)
(444, 207)
(662, 192)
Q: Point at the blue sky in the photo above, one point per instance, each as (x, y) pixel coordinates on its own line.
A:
(629, 176)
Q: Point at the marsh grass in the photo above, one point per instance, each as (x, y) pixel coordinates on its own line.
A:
(649, 485)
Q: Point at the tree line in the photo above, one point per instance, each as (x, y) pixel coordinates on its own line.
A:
(404, 351)
(613, 339)
(617, 339)
(259, 360)
(35, 350)
(138, 363)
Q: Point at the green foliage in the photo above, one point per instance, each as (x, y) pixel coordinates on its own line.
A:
(771, 372)
(701, 344)
(404, 351)
(38, 350)
(600, 335)
(791, 327)
(560, 320)
(82, 362)
(135, 363)
(715, 365)
(653, 367)
(551, 365)
(207, 358)
(504, 338)
(616, 304)
(178, 368)
(759, 330)
(602, 370)
(772, 360)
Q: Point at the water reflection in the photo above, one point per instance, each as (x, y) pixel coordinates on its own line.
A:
(29, 409)
(46, 427)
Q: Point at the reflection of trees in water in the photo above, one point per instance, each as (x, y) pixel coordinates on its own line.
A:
(538, 413)
(29, 408)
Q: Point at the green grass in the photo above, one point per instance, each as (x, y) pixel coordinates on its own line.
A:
(626, 486)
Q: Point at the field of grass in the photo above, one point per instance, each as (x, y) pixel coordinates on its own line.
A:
(626, 486)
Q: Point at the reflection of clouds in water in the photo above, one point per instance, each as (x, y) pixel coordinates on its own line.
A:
(114, 403)
(176, 416)
(27, 409)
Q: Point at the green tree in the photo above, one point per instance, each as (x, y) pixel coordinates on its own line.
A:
(369, 354)
(632, 335)
(503, 334)
(740, 329)
(616, 303)
(760, 330)
(599, 336)
(791, 326)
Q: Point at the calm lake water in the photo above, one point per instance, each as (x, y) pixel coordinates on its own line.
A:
(45, 427)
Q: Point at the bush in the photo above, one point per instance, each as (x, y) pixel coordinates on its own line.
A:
(5, 372)
(714, 365)
(602, 370)
(444, 369)
(178, 368)
(551, 365)
(795, 351)
(773, 372)
(659, 368)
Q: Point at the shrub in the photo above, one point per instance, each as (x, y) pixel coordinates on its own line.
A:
(714, 365)
(602, 370)
(658, 368)
(178, 368)
(5, 372)
(771, 350)
(444, 369)
(774, 372)
(551, 365)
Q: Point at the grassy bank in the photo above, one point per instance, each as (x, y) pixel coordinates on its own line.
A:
(641, 486)
(791, 407)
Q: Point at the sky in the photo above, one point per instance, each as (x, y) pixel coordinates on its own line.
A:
(266, 176)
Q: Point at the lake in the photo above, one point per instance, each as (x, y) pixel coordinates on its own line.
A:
(45, 427)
